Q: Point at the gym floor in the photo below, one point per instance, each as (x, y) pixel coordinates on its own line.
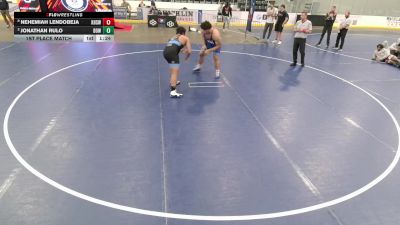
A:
(90, 135)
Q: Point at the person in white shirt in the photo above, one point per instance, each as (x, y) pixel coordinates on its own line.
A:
(302, 28)
(220, 9)
(343, 28)
(272, 13)
(381, 53)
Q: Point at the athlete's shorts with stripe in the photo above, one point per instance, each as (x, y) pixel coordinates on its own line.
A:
(171, 54)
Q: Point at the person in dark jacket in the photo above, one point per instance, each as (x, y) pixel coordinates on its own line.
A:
(329, 21)
(4, 10)
(227, 14)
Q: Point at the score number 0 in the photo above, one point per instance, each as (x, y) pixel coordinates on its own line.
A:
(108, 21)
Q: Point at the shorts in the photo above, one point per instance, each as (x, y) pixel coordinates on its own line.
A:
(278, 27)
(4, 12)
(214, 52)
(217, 52)
(171, 55)
(227, 19)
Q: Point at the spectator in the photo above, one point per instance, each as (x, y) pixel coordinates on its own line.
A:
(283, 18)
(272, 12)
(127, 6)
(343, 28)
(4, 10)
(220, 18)
(227, 14)
(153, 8)
(220, 9)
(395, 48)
(329, 21)
(382, 54)
(141, 4)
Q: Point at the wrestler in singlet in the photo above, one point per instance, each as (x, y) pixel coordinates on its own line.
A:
(210, 42)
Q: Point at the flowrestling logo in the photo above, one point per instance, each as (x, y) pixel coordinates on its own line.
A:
(75, 5)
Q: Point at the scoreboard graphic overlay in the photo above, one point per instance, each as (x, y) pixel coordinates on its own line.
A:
(67, 5)
(64, 26)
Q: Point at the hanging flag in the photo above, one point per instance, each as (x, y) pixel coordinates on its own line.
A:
(251, 14)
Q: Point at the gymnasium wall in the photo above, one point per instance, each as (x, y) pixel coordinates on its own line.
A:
(357, 7)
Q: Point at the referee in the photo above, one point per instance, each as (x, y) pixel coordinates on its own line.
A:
(343, 28)
(302, 28)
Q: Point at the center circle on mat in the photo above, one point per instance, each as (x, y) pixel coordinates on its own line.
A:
(88, 198)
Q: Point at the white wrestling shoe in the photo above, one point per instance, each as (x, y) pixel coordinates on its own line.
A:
(217, 74)
(197, 68)
(175, 94)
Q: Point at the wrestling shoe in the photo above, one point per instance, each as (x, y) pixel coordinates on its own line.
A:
(197, 68)
(175, 94)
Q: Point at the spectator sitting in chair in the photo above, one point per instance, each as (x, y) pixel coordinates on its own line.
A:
(127, 6)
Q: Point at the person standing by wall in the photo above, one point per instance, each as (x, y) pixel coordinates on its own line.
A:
(153, 8)
(302, 28)
(141, 4)
(128, 7)
(283, 18)
(272, 12)
(4, 10)
(329, 21)
(343, 28)
(227, 14)
(219, 15)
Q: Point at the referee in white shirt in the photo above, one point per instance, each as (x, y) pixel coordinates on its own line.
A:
(343, 28)
(302, 28)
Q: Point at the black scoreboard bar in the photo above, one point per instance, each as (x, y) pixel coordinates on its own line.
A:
(59, 30)
(85, 26)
